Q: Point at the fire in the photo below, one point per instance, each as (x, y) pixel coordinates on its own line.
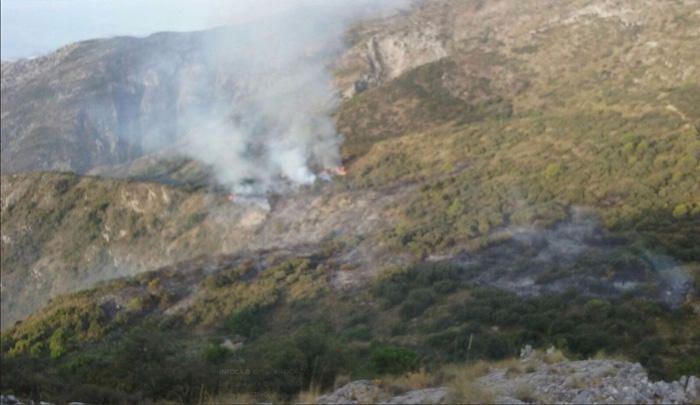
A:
(335, 171)
(341, 171)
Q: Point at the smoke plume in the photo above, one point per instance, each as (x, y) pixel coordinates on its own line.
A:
(267, 124)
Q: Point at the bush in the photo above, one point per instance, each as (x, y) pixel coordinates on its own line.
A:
(392, 292)
(215, 353)
(597, 310)
(57, 343)
(392, 360)
(248, 322)
(311, 357)
(680, 211)
(358, 332)
(417, 302)
(136, 304)
(444, 287)
(499, 347)
(552, 170)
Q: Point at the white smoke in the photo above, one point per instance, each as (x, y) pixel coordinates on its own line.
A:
(277, 130)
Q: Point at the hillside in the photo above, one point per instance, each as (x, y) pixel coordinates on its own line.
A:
(517, 173)
(88, 104)
(279, 315)
(62, 232)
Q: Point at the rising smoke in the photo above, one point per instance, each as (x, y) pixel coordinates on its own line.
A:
(273, 129)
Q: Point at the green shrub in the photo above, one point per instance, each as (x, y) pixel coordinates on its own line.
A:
(392, 360)
(136, 305)
(57, 343)
(248, 322)
(417, 302)
(358, 332)
(215, 353)
(552, 170)
(499, 347)
(392, 292)
(445, 287)
(680, 211)
(689, 366)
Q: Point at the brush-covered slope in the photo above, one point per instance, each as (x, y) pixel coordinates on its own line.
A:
(536, 106)
(270, 325)
(62, 232)
(519, 173)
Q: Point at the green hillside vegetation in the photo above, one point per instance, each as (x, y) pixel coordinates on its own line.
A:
(86, 346)
(638, 169)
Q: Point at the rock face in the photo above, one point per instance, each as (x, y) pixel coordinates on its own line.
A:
(386, 56)
(587, 382)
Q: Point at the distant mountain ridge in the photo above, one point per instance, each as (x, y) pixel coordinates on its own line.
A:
(88, 104)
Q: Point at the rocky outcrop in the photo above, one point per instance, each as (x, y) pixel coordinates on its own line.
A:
(536, 381)
(384, 57)
(426, 396)
(12, 400)
(357, 392)
(366, 392)
(587, 382)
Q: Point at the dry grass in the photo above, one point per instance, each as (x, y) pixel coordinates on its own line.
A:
(526, 393)
(245, 399)
(554, 356)
(231, 399)
(416, 380)
(308, 396)
(461, 381)
(602, 355)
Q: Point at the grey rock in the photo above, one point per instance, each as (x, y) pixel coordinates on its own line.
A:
(357, 392)
(425, 396)
(508, 401)
(9, 400)
(591, 381)
(526, 352)
(692, 388)
(578, 382)
(584, 397)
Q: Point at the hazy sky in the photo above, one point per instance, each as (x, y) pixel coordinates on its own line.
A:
(34, 27)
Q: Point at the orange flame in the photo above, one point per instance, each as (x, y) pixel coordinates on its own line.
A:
(341, 171)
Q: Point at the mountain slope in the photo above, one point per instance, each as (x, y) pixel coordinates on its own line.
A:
(90, 103)
(267, 312)
(518, 173)
(461, 133)
(62, 232)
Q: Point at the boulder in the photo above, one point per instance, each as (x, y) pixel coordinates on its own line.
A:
(425, 396)
(356, 392)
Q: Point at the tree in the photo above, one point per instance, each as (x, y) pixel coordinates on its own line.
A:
(57, 343)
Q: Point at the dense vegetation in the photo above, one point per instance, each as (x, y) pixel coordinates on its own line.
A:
(275, 334)
(639, 172)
